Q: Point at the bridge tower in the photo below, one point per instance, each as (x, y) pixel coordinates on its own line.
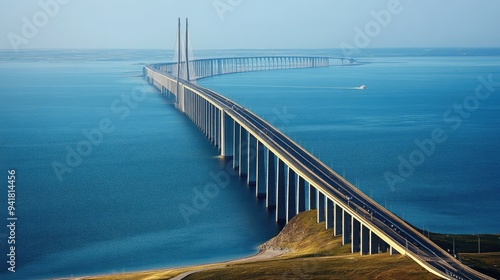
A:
(179, 58)
(187, 51)
(182, 57)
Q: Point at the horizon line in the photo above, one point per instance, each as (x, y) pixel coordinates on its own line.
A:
(243, 49)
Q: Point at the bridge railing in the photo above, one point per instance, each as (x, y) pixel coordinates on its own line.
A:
(204, 68)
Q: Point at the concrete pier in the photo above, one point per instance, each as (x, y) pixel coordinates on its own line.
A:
(355, 235)
(374, 243)
(312, 197)
(252, 160)
(260, 177)
(365, 240)
(236, 146)
(291, 186)
(337, 220)
(301, 195)
(321, 206)
(329, 211)
(271, 180)
(243, 145)
(281, 192)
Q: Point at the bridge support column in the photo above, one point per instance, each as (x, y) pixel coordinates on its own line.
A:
(204, 108)
(227, 135)
(301, 195)
(291, 205)
(329, 213)
(191, 106)
(217, 127)
(271, 180)
(222, 126)
(236, 145)
(365, 240)
(213, 125)
(337, 220)
(393, 251)
(312, 197)
(346, 228)
(355, 235)
(281, 193)
(321, 206)
(252, 157)
(201, 112)
(180, 99)
(260, 177)
(196, 109)
(374, 243)
(243, 152)
(210, 121)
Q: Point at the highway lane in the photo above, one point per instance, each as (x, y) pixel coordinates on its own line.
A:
(336, 186)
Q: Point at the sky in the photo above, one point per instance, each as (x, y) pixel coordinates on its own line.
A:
(249, 24)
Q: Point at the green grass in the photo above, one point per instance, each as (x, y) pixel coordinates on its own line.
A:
(467, 243)
(351, 267)
(487, 263)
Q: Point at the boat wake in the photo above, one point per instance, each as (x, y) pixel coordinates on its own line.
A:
(292, 86)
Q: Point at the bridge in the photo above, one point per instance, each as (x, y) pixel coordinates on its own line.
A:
(288, 177)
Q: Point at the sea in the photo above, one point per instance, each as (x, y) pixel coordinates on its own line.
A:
(110, 177)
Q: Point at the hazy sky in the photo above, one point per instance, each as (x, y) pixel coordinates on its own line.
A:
(221, 24)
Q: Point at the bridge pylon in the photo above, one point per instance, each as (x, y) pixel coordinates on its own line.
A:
(183, 56)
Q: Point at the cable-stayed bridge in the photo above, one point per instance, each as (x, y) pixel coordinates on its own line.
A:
(288, 177)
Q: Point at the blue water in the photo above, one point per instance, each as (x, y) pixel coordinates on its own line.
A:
(119, 208)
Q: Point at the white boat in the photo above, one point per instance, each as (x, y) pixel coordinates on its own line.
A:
(362, 87)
